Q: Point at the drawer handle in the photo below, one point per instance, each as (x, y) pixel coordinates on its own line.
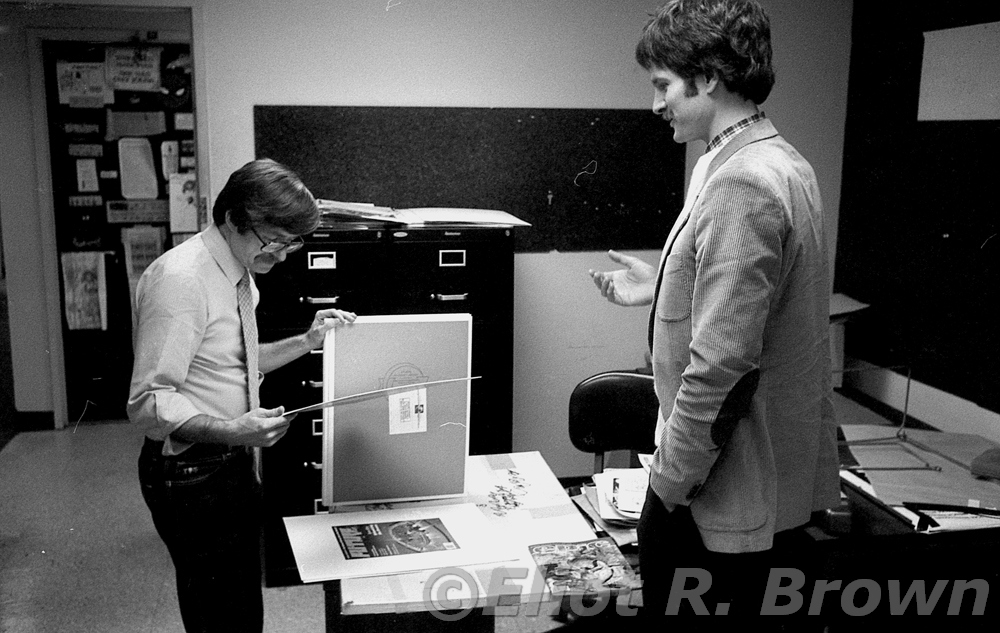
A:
(319, 300)
(440, 297)
(316, 384)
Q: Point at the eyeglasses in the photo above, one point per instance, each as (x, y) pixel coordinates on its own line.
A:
(275, 246)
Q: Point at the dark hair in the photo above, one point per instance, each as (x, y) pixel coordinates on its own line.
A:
(727, 39)
(266, 192)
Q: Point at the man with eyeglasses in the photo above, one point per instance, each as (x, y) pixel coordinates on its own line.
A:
(194, 390)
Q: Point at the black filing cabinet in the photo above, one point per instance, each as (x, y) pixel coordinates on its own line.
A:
(379, 269)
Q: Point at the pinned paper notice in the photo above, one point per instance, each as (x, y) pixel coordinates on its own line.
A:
(86, 175)
(408, 412)
(133, 68)
(138, 172)
(183, 203)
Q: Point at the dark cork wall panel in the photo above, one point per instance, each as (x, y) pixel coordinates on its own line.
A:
(919, 219)
(585, 179)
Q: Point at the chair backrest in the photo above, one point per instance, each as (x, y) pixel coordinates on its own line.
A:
(613, 410)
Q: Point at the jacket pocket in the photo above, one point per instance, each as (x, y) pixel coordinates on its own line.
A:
(676, 290)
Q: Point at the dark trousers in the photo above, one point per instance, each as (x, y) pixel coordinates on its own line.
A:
(673, 560)
(205, 505)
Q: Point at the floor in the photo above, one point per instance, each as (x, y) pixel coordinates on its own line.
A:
(78, 551)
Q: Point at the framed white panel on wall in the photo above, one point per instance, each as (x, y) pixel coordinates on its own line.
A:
(960, 74)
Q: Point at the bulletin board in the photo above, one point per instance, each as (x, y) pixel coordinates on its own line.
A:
(122, 156)
(402, 445)
(585, 179)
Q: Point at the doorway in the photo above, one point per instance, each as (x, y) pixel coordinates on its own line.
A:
(79, 374)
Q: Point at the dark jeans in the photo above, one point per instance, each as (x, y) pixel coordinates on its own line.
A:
(670, 541)
(206, 507)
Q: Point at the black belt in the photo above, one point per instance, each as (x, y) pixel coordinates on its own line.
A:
(199, 450)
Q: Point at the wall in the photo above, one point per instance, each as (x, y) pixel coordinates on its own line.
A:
(932, 277)
(479, 53)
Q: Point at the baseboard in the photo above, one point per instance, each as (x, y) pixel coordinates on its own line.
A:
(939, 409)
(34, 421)
(892, 416)
(17, 422)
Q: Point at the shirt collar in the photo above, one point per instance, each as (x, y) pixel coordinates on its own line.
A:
(727, 134)
(223, 255)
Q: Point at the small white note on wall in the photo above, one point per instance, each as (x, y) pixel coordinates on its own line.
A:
(408, 412)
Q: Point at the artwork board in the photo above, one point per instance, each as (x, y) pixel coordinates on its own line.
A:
(406, 445)
(317, 541)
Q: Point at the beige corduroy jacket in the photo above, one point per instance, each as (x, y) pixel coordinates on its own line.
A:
(739, 333)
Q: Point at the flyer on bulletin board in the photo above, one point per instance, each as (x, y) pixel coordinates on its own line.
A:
(83, 85)
(133, 68)
(85, 290)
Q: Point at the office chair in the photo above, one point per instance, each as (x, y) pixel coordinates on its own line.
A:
(613, 410)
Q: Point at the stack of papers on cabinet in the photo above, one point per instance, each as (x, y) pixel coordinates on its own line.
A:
(421, 216)
(445, 215)
(358, 211)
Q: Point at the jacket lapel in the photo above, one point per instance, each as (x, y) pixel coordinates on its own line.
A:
(757, 132)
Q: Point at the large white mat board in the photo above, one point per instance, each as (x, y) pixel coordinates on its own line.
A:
(383, 542)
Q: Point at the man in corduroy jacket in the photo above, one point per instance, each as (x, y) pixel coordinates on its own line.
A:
(739, 323)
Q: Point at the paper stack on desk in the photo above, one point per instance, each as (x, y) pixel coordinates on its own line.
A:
(586, 500)
(620, 494)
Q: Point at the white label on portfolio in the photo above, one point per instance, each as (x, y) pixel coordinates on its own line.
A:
(408, 412)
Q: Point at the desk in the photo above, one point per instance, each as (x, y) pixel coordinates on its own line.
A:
(521, 497)
(882, 549)
(950, 453)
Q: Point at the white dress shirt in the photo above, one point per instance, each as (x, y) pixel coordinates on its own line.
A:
(187, 339)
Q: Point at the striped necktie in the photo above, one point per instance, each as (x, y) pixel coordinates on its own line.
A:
(244, 297)
(249, 321)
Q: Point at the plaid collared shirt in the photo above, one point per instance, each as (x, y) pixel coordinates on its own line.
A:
(723, 137)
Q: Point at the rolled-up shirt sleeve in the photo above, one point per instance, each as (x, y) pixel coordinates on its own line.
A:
(171, 320)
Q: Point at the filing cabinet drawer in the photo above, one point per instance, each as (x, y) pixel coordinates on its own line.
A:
(297, 384)
(447, 275)
(291, 485)
(324, 274)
